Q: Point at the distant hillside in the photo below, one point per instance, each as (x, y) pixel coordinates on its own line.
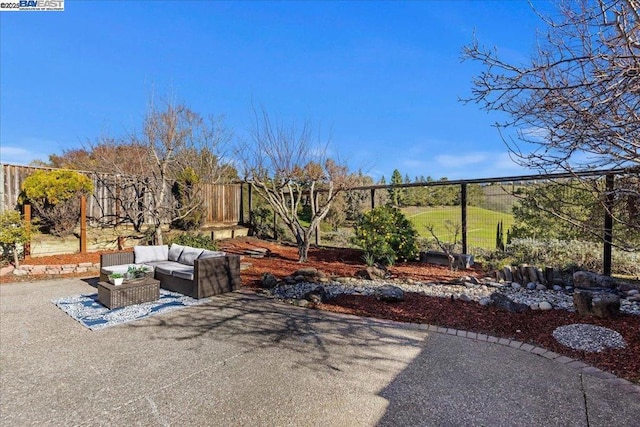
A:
(499, 197)
(481, 223)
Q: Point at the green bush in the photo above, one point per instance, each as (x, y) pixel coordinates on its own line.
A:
(261, 223)
(190, 213)
(195, 240)
(55, 198)
(386, 235)
(13, 233)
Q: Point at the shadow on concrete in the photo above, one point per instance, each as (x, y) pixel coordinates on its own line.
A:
(257, 323)
(463, 382)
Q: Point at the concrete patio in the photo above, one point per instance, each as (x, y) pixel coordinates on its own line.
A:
(241, 359)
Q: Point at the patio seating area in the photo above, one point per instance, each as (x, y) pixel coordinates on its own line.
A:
(194, 272)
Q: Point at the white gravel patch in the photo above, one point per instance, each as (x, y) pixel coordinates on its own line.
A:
(589, 338)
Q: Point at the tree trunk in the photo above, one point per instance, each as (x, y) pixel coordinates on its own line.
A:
(303, 243)
(16, 261)
(303, 250)
(157, 235)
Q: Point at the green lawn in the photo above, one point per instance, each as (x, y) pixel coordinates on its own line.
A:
(481, 223)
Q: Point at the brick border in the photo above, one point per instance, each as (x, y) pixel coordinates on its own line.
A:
(624, 385)
(50, 270)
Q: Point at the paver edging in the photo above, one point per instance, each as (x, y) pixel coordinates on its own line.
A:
(622, 384)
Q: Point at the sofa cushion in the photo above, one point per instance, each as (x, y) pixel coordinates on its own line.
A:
(187, 275)
(168, 267)
(210, 254)
(189, 255)
(151, 253)
(175, 251)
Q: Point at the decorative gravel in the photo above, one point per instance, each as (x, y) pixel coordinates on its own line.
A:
(589, 338)
(478, 292)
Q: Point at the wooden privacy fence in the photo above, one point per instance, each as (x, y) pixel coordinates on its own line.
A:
(221, 201)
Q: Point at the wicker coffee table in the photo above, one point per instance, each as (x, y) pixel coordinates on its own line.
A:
(132, 292)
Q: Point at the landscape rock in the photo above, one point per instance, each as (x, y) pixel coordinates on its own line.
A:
(606, 306)
(590, 280)
(318, 295)
(507, 274)
(503, 302)
(582, 302)
(268, 281)
(389, 293)
(372, 273)
(545, 305)
(6, 270)
(306, 271)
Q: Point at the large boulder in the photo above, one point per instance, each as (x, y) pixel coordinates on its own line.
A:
(604, 306)
(582, 302)
(503, 302)
(590, 280)
(389, 293)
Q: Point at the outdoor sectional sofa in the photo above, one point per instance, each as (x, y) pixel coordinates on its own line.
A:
(198, 273)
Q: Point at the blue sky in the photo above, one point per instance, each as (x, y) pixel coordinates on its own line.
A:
(381, 79)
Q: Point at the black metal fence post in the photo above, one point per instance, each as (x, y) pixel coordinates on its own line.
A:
(373, 198)
(608, 224)
(275, 225)
(317, 230)
(463, 206)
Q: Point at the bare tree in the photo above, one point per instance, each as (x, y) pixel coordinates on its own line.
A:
(576, 105)
(284, 167)
(147, 163)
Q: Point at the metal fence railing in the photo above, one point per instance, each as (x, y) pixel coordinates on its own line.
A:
(477, 215)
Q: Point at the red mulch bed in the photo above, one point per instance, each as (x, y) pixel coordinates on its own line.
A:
(534, 327)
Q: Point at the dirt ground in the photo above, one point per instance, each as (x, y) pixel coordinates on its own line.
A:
(534, 327)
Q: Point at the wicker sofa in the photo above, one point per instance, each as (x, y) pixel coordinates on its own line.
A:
(195, 272)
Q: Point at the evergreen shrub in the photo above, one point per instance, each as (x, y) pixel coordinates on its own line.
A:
(13, 232)
(55, 198)
(386, 235)
(195, 240)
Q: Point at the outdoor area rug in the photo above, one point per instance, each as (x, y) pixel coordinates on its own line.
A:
(89, 312)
